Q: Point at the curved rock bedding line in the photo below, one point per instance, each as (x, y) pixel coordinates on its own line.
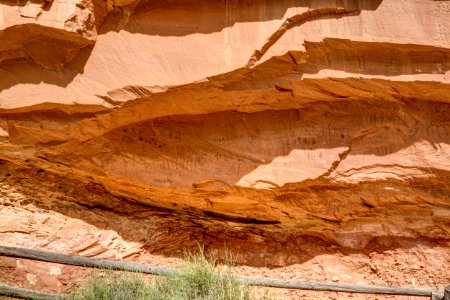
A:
(392, 140)
(157, 44)
(277, 84)
(229, 148)
(334, 156)
(298, 20)
(285, 226)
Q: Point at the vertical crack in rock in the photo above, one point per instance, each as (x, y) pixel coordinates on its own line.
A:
(298, 20)
(343, 155)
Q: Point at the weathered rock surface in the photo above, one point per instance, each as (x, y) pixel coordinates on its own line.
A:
(47, 34)
(157, 43)
(286, 132)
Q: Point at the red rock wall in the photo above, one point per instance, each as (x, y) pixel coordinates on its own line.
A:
(283, 131)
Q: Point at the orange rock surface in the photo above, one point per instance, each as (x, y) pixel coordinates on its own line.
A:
(293, 134)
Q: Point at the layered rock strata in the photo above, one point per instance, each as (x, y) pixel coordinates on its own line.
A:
(279, 131)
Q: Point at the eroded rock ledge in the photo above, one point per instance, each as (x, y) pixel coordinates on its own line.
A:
(344, 172)
(48, 33)
(332, 139)
(269, 145)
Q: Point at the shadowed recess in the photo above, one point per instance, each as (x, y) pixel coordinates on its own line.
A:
(225, 148)
(157, 17)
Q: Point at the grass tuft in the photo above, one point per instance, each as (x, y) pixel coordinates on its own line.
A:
(197, 280)
(113, 286)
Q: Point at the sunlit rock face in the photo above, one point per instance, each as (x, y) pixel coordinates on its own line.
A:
(281, 129)
(144, 47)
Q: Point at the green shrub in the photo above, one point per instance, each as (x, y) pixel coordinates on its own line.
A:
(197, 280)
(112, 286)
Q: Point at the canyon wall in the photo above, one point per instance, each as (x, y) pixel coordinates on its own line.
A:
(277, 130)
(148, 46)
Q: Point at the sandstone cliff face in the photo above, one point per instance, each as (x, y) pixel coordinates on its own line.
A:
(154, 44)
(284, 130)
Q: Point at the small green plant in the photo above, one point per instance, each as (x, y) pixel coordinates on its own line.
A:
(112, 286)
(197, 280)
